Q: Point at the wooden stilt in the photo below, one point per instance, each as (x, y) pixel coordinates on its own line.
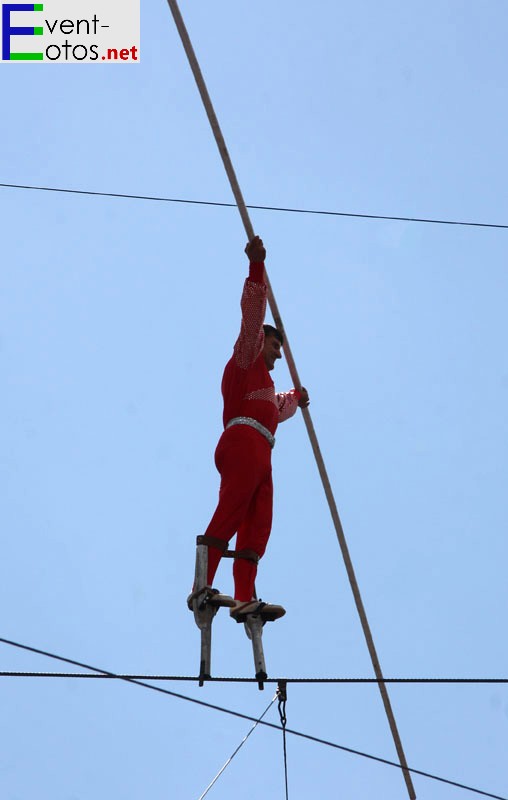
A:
(205, 602)
(203, 612)
(254, 630)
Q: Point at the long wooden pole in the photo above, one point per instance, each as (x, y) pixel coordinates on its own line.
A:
(249, 230)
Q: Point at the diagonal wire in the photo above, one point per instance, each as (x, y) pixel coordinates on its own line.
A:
(320, 212)
(231, 757)
(221, 144)
(239, 715)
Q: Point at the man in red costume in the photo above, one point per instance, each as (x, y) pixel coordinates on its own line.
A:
(252, 411)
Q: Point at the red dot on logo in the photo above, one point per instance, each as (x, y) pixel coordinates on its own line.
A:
(103, 58)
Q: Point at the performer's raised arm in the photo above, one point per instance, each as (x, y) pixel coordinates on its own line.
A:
(250, 341)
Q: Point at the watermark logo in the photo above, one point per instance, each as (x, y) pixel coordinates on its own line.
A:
(60, 32)
(9, 30)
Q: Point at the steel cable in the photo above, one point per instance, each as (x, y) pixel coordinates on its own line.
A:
(282, 695)
(218, 679)
(320, 212)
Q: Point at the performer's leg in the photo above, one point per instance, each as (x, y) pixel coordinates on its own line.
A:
(241, 469)
(253, 534)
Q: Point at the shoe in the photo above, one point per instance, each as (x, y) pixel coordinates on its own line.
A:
(267, 611)
(209, 596)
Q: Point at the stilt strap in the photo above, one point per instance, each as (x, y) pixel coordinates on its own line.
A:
(248, 555)
(212, 541)
(199, 593)
(256, 610)
(207, 596)
(222, 545)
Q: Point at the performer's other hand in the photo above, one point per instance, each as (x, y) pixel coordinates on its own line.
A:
(304, 398)
(255, 250)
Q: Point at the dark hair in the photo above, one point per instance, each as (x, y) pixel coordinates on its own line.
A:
(271, 331)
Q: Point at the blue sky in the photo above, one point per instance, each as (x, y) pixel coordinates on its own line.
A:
(117, 317)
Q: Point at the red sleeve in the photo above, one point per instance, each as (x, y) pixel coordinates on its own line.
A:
(250, 341)
(288, 403)
(257, 272)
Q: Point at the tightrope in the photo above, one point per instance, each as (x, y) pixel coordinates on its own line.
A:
(128, 676)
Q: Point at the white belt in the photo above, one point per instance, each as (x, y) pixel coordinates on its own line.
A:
(253, 424)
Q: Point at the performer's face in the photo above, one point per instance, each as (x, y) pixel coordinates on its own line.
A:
(271, 351)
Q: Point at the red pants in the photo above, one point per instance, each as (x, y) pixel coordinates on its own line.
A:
(243, 458)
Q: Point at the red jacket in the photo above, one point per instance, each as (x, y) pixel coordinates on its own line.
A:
(247, 387)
